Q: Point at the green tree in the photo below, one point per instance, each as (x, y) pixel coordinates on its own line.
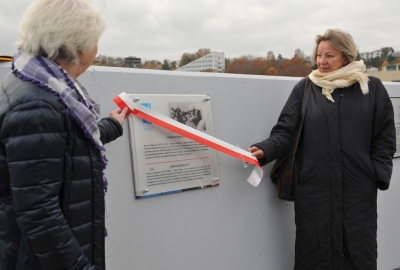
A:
(172, 65)
(165, 65)
(227, 62)
(358, 58)
(386, 51)
(374, 62)
(391, 59)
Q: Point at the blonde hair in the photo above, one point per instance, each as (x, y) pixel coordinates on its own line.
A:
(61, 28)
(341, 41)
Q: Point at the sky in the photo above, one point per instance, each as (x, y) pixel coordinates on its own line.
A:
(165, 29)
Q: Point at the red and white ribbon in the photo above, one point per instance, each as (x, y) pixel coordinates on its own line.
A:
(123, 100)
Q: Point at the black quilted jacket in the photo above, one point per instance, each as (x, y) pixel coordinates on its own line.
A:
(51, 183)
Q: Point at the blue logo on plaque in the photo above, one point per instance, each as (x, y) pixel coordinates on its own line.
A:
(148, 105)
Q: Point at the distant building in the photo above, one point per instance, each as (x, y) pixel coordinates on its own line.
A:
(133, 62)
(371, 69)
(367, 55)
(391, 67)
(109, 60)
(118, 61)
(396, 54)
(114, 61)
(270, 55)
(213, 60)
(389, 73)
(101, 58)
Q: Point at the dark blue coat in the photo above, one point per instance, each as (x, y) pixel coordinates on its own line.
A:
(344, 155)
(51, 183)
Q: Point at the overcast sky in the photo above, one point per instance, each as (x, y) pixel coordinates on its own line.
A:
(165, 29)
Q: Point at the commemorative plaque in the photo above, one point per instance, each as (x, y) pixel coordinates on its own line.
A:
(165, 162)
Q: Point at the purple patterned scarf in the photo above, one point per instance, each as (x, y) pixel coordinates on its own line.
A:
(52, 77)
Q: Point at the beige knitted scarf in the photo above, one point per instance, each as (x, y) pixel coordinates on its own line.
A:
(341, 78)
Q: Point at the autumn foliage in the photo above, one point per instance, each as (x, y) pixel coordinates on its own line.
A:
(153, 64)
(207, 70)
(297, 66)
(186, 58)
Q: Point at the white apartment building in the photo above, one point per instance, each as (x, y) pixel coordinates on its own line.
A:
(367, 55)
(213, 60)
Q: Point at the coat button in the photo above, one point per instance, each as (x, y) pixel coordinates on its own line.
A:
(342, 95)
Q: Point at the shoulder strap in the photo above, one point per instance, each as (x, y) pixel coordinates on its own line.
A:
(307, 91)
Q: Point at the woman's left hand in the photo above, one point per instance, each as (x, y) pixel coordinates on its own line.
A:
(119, 115)
(256, 152)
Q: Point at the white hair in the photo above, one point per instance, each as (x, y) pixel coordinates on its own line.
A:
(61, 28)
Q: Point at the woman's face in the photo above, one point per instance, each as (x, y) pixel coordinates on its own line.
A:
(328, 58)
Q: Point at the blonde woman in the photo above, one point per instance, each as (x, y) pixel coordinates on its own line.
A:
(52, 143)
(344, 156)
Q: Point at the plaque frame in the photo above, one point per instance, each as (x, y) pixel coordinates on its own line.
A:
(164, 162)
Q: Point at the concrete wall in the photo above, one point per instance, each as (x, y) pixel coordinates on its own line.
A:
(387, 76)
(234, 226)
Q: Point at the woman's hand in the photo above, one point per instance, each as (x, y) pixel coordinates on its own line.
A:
(119, 115)
(256, 152)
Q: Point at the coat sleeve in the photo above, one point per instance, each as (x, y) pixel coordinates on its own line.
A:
(383, 135)
(279, 143)
(35, 142)
(110, 129)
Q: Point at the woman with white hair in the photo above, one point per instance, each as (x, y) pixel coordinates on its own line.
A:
(52, 143)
